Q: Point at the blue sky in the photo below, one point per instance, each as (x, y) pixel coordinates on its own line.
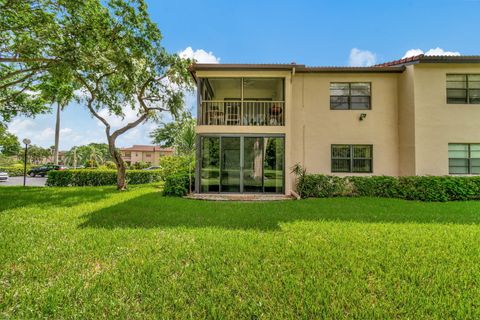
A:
(348, 32)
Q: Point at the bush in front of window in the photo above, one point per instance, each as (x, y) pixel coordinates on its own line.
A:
(98, 177)
(321, 186)
(421, 188)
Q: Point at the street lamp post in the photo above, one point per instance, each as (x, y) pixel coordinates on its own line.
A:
(27, 142)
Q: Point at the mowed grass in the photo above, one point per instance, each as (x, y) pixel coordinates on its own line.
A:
(97, 253)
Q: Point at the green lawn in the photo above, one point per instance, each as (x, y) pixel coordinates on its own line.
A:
(96, 253)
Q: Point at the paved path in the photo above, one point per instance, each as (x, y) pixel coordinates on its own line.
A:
(18, 181)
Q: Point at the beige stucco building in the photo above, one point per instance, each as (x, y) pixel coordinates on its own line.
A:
(415, 116)
(144, 153)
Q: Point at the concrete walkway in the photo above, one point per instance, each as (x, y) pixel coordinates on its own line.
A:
(238, 197)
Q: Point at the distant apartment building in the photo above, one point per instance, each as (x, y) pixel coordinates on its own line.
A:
(144, 153)
(415, 116)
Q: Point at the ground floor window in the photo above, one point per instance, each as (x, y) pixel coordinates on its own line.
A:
(464, 158)
(352, 158)
(242, 164)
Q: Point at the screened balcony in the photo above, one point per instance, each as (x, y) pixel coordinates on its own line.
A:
(242, 101)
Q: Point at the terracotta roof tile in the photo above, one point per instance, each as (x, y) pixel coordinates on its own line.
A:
(138, 147)
(400, 61)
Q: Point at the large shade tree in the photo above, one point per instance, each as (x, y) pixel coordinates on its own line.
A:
(110, 48)
(9, 144)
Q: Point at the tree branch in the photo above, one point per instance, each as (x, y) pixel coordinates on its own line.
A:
(91, 100)
(129, 126)
(20, 71)
(6, 85)
(27, 60)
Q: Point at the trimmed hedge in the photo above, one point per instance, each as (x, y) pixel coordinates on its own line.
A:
(14, 171)
(96, 177)
(177, 185)
(321, 186)
(422, 188)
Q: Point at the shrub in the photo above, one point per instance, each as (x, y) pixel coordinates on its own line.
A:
(176, 185)
(375, 186)
(139, 165)
(422, 188)
(110, 165)
(6, 161)
(321, 186)
(14, 171)
(97, 177)
(174, 165)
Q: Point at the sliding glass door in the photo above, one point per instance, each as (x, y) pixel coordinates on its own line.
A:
(250, 164)
(210, 165)
(230, 164)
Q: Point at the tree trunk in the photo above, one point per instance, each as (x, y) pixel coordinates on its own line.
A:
(121, 176)
(121, 169)
(57, 135)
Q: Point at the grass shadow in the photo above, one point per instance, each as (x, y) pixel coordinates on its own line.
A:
(152, 210)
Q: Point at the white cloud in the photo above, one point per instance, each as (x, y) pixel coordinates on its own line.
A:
(199, 55)
(362, 58)
(41, 132)
(431, 52)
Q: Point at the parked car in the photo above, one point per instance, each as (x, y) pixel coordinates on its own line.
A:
(42, 170)
(3, 176)
(152, 168)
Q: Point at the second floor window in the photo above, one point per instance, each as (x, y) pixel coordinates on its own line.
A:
(463, 88)
(350, 96)
(352, 158)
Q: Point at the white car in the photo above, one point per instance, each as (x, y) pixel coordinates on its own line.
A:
(3, 176)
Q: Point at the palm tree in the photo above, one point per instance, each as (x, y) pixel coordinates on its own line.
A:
(60, 92)
(93, 155)
(71, 157)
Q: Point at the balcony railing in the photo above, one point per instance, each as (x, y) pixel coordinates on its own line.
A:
(243, 113)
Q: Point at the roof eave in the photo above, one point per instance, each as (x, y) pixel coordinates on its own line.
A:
(398, 69)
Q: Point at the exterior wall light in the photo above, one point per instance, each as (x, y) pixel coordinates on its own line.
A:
(362, 116)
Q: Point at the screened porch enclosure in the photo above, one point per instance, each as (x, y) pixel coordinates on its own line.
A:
(242, 164)
(242, 101)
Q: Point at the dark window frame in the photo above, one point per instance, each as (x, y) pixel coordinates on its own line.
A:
(352, 158)
(466, 89)
(349, 97)
(469, 160)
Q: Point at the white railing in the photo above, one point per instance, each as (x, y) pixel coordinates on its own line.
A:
(243, 113)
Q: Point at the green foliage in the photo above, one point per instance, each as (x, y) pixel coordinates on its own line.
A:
(110, 50)
(176, 185)
(179, 134)
(97, 177)
(91, 155)
(7, 161)
(9, 144)
(14, 171)
(321, 186)
(36, 154)
(422, 188)
(110, 164)
(376, 186)
(174, 165)
(139, 165)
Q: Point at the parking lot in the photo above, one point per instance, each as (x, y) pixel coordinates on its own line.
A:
(18, 181)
